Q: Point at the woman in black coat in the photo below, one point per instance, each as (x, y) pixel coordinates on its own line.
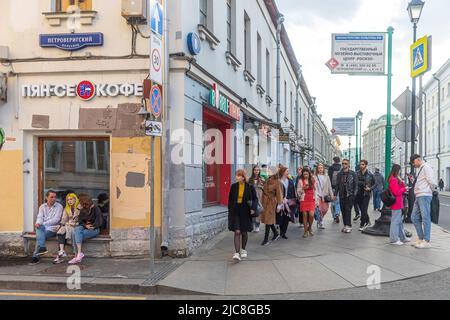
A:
(240, 213)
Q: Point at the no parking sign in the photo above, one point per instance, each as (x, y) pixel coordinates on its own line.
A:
(156, 101)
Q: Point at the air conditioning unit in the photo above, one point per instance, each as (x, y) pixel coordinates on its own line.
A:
(3, 87)
(134, 9)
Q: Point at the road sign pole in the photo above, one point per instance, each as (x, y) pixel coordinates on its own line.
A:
(357, 143)
(413, 108)
(387, 168)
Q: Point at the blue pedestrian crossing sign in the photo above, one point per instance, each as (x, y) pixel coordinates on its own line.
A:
(421, 57)
(156, 17)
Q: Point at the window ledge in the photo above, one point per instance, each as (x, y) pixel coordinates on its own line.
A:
(206, 34)
(260, 90)
(232, 60)
(55, 19)
(249, 77)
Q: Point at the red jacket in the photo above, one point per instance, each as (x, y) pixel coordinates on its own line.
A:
(397, 189)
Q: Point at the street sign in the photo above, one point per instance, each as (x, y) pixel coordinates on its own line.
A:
(153, 128)
(156, 17)
(332, 64)
(403, 131)
(194, 43)
(156, 63)
(156, 101)
(421, 57)
(283, 137)
(403, 103)
(344, 126)
(85, 90)
(358, 53)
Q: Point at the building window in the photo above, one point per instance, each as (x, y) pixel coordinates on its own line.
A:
(204, 12)
(60, 159)
(65, 5)
(268, 76)
(292, 110)
(448, 135)
(229, 26)
(259, 75)
(247, 43)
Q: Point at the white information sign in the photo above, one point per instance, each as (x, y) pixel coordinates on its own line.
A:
(156, 60)
(358, 53)
(344, 126)
(153, 128)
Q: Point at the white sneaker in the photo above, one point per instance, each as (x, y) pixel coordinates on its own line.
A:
(237, 257)
(398, 243)
(62, 254)
(416, 243)
(257, 230)
(348, 230)
(424, 245)
(407, 240)
(244, 254)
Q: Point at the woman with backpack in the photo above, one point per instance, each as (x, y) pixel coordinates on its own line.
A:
(397, 188)
(242, 201)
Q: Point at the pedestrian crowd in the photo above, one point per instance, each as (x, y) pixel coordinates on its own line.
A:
(275, 198)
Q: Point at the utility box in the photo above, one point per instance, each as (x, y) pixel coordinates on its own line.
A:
(134, 9)
(3, 87)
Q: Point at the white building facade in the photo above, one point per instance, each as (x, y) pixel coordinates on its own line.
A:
(436, 124)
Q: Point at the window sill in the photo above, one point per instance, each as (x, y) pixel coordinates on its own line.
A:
(206, 34)
(55, 19)
(249, 77)
(260, 90)
(232, 60)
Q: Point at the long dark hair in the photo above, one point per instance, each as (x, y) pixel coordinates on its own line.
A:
(395, 172)
(253, 177)
(310, 179)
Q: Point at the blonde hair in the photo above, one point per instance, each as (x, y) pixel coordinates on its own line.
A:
(242, 173)
(68, 207)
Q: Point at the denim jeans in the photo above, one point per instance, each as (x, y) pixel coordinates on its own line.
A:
(397, 232)
(81, 234)
(41, 236)
(376, 199)
(421, 217)
(336, 208)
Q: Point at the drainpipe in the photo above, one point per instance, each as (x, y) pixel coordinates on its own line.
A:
(280, 21)
(438, 155)
(425, 125)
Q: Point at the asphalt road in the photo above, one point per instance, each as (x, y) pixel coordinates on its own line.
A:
(444, 213)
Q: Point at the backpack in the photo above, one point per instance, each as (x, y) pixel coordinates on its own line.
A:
(388, 198)
(334, 178)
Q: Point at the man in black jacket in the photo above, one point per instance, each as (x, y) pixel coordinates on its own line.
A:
(347, 186)
(333, 172)
(366, 184)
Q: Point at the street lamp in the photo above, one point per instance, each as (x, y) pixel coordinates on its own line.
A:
(358, 137)
(415, 8)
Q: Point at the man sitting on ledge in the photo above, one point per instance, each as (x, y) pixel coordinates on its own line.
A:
(47, 224)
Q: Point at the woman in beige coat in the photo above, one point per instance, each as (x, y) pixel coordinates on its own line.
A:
(68, 223)
(324, 192)
(272, 199)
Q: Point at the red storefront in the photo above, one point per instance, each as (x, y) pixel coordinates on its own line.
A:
(220, 114)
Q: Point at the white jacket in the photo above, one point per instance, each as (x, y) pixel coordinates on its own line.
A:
(425, 184)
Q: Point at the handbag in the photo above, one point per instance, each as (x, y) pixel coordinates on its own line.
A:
(327, 198)
(388, 198)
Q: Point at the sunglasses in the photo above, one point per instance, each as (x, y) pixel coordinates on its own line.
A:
(345, 164)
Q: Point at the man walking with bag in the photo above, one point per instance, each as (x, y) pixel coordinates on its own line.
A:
(423, 184)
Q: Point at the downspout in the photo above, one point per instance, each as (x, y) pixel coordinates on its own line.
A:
(438, 155)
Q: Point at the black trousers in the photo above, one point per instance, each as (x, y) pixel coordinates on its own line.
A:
(346, 208)
(363, 204)
(267, 232)
(62, 239)
(284, 224)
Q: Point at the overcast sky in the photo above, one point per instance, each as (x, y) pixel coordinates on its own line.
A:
(310, 25)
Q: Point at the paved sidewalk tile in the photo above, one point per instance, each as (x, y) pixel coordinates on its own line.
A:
(397, 263)
(308, 275)
(199, 276)
(255, 277)
(354, 269)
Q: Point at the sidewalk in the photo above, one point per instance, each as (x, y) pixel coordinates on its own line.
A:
(328, 261)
